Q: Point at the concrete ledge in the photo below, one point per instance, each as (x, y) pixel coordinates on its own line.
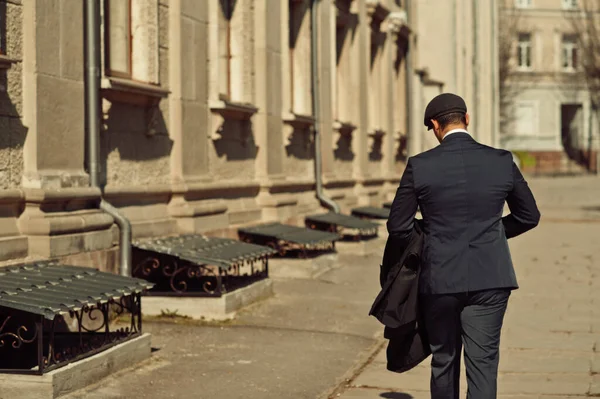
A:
(362, 248)
(76, 375)
(51, 246)
(13, 247)
(201, 224)
(302, 268)
(223, 308)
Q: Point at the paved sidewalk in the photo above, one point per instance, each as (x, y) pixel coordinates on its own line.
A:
(297, 344)
(315, 335)
(551, 339)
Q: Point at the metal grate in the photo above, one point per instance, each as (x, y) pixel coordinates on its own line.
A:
(38, 303)
(371, 212)
(221, 252)
(286, 238)
(347, 226)
(195, 265)
(49, 289)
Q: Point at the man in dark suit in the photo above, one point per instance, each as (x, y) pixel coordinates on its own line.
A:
(467, 274)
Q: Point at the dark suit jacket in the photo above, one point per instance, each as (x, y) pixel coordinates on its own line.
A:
(397, 306)
(461, 187)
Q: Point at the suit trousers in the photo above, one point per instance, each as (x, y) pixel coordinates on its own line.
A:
(471, 319)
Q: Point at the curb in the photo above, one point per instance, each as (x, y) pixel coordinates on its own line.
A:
(365, 358)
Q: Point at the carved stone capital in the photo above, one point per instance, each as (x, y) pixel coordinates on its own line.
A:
(377, 11)
(397, 24)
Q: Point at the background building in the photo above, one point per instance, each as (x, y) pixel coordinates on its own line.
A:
(548, 115)
(458, 53)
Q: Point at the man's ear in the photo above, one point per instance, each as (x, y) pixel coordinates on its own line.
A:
(467, 119)
(435, 124)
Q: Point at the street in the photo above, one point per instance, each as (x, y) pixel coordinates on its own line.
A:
(314, 338)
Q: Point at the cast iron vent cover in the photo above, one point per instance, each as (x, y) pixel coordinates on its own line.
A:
(195, 265)
(371, 212)
(53, 314)
(345, 225)
(285, 238)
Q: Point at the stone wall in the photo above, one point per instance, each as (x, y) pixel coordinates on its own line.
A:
(211, 128)
(464, 62)
(11, 98)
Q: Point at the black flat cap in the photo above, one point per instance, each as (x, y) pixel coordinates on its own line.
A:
(443, 104)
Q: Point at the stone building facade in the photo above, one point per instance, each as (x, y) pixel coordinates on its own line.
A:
(549, 114)
(207, 117)
(457, 52)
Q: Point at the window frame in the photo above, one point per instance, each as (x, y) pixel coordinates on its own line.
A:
(520, 48)
(107, 45)
(568, 4)
(523, 3)
(227, 16)
(568, 43)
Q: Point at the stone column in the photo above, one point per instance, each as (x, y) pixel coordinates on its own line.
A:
(399, 34)
(267, 122)
(486, 95)
(327, 71)
(415, 125)
(389, 141)
(53, 94)
(60, 214)
(360, 79)
(188, 83)
(188, 39)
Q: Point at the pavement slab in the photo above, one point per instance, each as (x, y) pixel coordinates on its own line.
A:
(297, 344)
(313, 338)
(551, 337)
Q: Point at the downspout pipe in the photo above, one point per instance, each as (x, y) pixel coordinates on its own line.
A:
(411, 148)
(493, 51)
(325, 201)
(92, 120)
(475, 64)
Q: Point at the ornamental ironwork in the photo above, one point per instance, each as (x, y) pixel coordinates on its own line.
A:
(349, 227)
(195, 265)
(52, 314)
(286, 239)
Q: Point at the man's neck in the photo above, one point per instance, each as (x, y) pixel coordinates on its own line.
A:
(453, 129)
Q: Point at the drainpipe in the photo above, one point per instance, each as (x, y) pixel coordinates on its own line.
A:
(494, 49)
(457, 53)
(326, 201)
(411, 148)
(92, 120)
(474, 60)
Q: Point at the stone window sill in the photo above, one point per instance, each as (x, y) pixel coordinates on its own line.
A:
(299, 121)
(6, 62)
(232, 110)
(344, 128)
(377, 134)
(132, 92)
